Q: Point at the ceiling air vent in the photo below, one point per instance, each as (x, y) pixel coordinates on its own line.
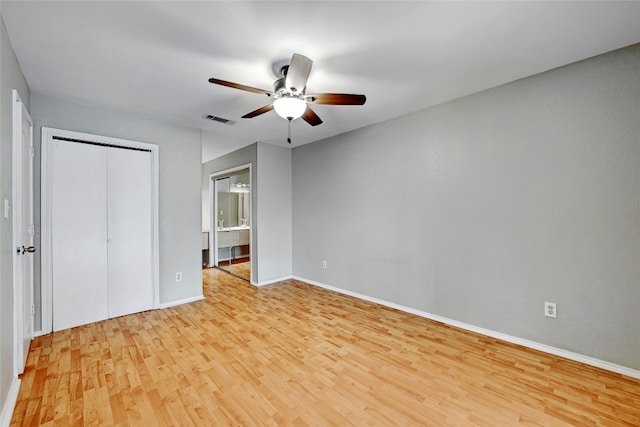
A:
(219, 119)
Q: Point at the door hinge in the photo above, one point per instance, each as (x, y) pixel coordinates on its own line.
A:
(33, 309)
(31, 230)
(31, 151)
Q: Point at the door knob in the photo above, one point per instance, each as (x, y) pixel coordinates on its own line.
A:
(24, 249)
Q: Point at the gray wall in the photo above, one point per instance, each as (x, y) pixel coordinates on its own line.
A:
(179, 194)
(481, 209)
(10, 78)
(270, 206)
(274, 213)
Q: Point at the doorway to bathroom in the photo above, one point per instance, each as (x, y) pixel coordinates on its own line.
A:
(231, 223)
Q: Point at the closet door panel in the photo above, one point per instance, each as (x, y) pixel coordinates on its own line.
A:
(130, 232)
(79, 235)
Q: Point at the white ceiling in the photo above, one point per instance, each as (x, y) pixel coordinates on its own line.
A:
(154, 58)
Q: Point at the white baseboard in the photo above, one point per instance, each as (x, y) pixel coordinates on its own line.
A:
(270, 282)
(180, 302)
(10, 403)
(587, 360)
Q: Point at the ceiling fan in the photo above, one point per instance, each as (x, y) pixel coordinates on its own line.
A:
(290, 100)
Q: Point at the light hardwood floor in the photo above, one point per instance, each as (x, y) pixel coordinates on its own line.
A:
(294, 354)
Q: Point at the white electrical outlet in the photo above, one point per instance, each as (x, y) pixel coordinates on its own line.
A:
(550, 309)
(178, 277)
(324, 264)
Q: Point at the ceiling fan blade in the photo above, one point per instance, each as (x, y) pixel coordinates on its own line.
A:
(311, 117)
(298, 73)
(239, 86)
(259, 111)
(336, 99)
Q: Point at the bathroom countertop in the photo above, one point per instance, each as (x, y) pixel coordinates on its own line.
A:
(241, 227)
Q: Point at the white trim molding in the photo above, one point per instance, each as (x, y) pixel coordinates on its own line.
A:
(271, 282)
(181, 301)
(10, 403)
(577, 357)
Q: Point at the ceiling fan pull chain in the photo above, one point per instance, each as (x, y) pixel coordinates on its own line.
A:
(289, 131)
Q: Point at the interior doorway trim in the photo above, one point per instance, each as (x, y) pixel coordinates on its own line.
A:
(48, 135)
(213, 217)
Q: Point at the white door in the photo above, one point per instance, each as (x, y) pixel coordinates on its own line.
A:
(23, 230)
(101, 233)
(79, 234)
(129, 229)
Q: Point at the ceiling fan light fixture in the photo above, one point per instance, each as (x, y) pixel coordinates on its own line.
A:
(290, 107)
(289, 94)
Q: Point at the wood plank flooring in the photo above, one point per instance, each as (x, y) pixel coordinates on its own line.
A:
(293, 354)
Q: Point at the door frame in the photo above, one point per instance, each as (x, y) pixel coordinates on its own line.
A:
(213, 216)
(46, 217)
(19, 111)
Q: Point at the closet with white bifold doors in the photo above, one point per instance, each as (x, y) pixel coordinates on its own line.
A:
(101, 228)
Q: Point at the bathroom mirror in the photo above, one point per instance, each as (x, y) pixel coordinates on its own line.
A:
(239, 198)
(222, 189)
(234, 204)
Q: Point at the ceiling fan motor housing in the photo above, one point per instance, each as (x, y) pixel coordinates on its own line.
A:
(279, 87)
